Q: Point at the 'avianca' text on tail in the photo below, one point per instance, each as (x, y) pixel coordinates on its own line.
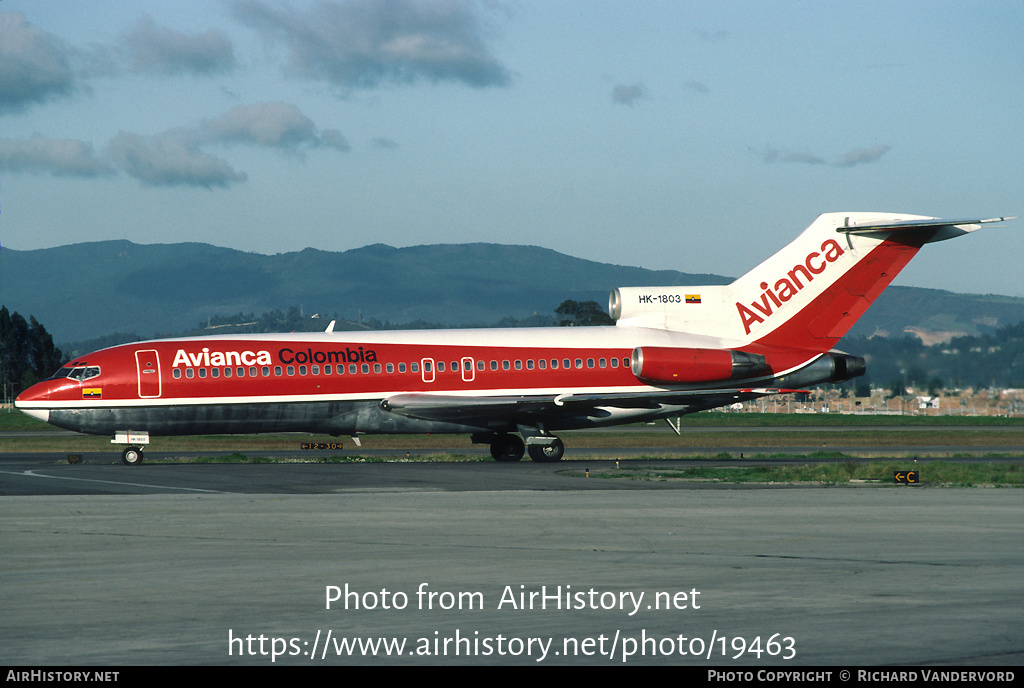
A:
(673, 351)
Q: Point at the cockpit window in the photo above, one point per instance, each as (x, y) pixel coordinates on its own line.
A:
(80, 373)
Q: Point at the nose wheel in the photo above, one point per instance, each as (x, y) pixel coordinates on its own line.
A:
(132, 456)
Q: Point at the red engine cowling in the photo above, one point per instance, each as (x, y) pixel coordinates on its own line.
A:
(677, 364)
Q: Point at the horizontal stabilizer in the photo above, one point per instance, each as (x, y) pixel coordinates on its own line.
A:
(948, 228)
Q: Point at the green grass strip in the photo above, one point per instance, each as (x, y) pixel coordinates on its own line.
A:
(835, 473)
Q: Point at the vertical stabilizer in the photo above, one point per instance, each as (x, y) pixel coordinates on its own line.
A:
(807, 295)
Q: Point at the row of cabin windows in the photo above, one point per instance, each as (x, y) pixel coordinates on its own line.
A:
(354, 368)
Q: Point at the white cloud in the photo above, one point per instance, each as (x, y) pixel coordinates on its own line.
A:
(161, 50)
(863, 156)
(59, 157)
(178, 158)
(859, 156)
(366, 43)
(265, 124)
(627, 94)
(34, 65)
(171, 159)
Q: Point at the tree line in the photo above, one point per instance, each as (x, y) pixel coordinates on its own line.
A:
(27, 353)
(976, 361)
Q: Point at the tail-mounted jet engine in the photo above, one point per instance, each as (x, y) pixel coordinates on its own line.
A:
(678, 364)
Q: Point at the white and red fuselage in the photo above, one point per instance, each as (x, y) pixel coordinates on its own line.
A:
(334, 383)
(674, 350)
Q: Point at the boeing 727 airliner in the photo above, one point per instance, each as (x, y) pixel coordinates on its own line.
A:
(672, 351)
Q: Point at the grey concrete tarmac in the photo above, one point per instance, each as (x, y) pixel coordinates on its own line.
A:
(854, 576)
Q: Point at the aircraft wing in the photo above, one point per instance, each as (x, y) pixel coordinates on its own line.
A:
(528, 408)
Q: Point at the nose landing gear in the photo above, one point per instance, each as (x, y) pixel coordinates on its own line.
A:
(132, 454)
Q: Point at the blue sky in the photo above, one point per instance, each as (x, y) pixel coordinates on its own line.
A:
(698, 136)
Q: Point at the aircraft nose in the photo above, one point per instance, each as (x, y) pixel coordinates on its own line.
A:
(29, 401)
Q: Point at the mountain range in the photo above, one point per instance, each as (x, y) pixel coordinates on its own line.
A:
(89, 290)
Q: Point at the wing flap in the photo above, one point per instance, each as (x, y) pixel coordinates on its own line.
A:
(456, 408)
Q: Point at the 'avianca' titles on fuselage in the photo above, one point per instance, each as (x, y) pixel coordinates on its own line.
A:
(185, 359)
(673, 351)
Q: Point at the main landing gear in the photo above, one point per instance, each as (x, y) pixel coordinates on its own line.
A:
(506, 447)
(547, 453)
